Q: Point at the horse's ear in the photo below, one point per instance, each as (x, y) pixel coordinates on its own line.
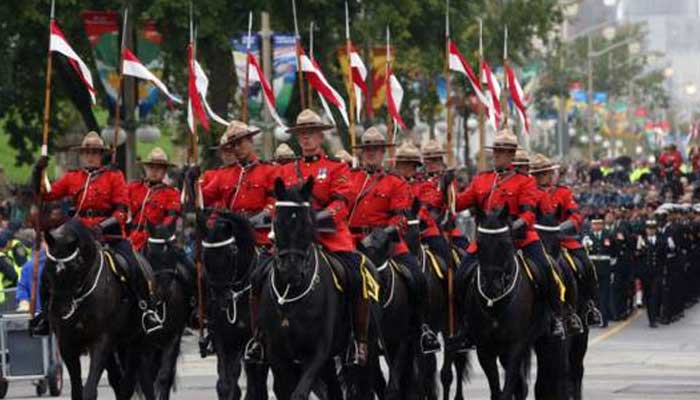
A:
(307, 189)
(49, 239)
(201, 221)
(280, 190)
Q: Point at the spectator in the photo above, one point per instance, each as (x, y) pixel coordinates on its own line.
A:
(24, 286)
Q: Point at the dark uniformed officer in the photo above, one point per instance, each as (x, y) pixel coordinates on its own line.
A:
(652, 251)
(600, 248)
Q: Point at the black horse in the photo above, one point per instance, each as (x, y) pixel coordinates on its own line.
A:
(438, 316)
(229, 257)
(157, 359)
(577, 295)
(304, 318)
(90, 310)
(507, 316)
(399, 330)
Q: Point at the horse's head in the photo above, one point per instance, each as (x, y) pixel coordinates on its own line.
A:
(294, 227)
(379, 244)
(494, 238)
(228, 245)
(414, 227)
(159, 248)
(547, 227)
(70, 249)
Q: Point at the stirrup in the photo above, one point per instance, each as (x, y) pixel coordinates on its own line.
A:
(355, 355)
(557, 329)
(574, 324)
(429, 343)
(593, 315)
(254, 352)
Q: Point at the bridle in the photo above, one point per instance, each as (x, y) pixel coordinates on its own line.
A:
(491, 301)
(283, 298)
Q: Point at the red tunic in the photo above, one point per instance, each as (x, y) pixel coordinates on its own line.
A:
(425, 192)
(332, 191)
(381, 200)
(491, 190)
(157, 204)
(437, 199)
(96, 195)
(671, 160)
(563, 197)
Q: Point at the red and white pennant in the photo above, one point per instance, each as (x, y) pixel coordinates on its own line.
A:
(59, 44)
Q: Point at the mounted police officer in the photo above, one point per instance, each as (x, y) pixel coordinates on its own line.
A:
(100, 198)
(283, 154)
(332, 195)
(504, 187)
(382, 199)
(406, 162)
(151, 200)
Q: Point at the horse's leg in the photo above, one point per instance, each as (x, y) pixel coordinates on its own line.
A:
(312, 366)
(551, 377)
(166, 371)
(284, 379)
(256, 381)
(398, 361)
(329, 376)
(127, 385)
(114, 372)
(446, 374)
(579, 346)
(429, 378)
(512, 362)
(487, 359)
(460, 361)
(99, 354)
(72, 361)
(145, 361)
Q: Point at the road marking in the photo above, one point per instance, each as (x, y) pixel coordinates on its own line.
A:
(615, 329)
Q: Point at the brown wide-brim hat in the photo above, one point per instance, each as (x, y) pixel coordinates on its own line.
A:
(522, 158)
(504, 140)
(408, 153)
(157, 158)
(308, 120)
(540, 164)
(237, 130)
(373, 138)
(284, 153)
(433, 150)
(91, 141)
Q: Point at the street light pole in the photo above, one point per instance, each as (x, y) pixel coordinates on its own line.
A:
(589, 110)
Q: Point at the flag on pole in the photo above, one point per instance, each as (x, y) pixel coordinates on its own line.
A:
(495, 89)
(359, 76)
(133, 67)
(518, 96)
(59, 44)
(459, 64)
(394, 97)
(203, 88)
(315, 77)
(194, 103)
(255, 74)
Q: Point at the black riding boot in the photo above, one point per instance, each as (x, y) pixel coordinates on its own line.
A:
(462, 341)
(361, 322)
(557, 328)
(572, 322)
(429, 342)
(254, 351)
(142, 287)
(39, 324)
(589, 278)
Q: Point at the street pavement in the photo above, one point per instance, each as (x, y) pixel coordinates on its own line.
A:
(626, 361)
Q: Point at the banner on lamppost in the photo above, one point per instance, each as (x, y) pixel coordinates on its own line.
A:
(284, 70)
(239, 47)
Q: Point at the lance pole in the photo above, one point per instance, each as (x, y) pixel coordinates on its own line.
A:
(39, 200)
(504, 95)
(387, 87)
(448, 143)
(309, 89)
(351, 84)
(197, 200)
(120, 83)
(482, 127)
(247, 68)
(300, 75)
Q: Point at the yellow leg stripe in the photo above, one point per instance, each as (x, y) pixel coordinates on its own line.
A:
(434, 263)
